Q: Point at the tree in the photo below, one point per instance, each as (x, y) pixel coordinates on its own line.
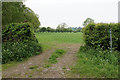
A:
(43, 29)
(88, 21)
(61, 27)
(17, 12)
(48, 29)
(32, 18)
(12, 12)
(69, 29)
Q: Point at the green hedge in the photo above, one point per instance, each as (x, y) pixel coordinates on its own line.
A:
(98, 35)
(18, 32)
(18, 51)
(19, 42)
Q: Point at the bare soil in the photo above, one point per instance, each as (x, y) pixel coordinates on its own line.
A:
(58, 70)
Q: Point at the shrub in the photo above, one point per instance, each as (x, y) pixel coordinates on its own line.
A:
(19, 42)
(97, 35)
(18, 51)
(18, 32)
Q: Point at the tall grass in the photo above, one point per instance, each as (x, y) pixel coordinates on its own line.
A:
(96, 63)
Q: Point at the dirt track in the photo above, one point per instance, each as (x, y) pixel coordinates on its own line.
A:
(58, 70)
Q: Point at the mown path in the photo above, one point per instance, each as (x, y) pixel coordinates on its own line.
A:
(58, 70)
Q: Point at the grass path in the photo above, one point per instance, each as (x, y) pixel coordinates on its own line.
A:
(37, 63)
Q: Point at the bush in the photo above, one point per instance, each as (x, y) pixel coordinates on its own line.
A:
(19, 42)
(97, 35)
(17, 51)
(18, 32)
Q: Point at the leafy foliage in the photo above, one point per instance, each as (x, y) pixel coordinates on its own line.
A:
(18, 32)
(88, 21)
(18, 51)
(19, 42)
(97, 35)
(17, 12)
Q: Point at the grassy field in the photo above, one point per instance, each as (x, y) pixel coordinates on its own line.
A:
(60, 37)
(49, 40)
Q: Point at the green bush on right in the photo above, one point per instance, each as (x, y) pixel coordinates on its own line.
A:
(98, 35)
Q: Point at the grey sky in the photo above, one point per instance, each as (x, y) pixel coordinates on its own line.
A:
(74, 12)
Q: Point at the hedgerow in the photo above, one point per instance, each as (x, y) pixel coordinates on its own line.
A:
(98, 35)
(18, 32)
(19, 42)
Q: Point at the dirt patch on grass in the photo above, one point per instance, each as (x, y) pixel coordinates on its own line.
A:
(34, 67)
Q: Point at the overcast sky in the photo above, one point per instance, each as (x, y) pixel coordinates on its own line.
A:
(74, 12)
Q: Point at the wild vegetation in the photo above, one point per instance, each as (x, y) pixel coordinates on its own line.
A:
(96, 63)
(16, 39)
(95, 58)
(18, 26)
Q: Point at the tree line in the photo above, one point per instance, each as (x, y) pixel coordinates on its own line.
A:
(63, 27)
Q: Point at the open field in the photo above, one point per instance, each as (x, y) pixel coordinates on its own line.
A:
(49, 40)
(60, 37)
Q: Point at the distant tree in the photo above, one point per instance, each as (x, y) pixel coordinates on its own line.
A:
(43, 29)
(65, 30)
(79, 29)
(58, 29)
(61, 27)
(69, 29)
(88, 21)
(53, 30)
(48, 29)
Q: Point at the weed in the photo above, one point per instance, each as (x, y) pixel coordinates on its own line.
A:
(33, 67)
(96, 63)
(64, 67)
(55, 55)
(29, 76)
(47, 66)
